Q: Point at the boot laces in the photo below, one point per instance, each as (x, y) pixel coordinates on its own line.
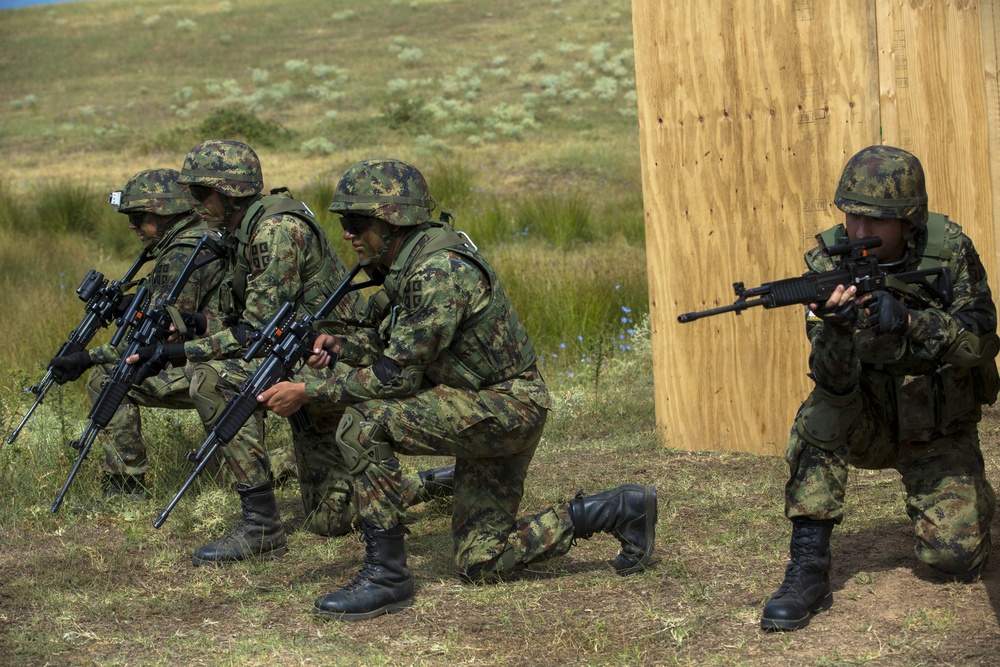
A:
(802, 559)
(369, 565)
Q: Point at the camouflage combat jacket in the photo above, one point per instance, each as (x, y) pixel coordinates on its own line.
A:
(278, 253)
(445, 318)
(909, 376)
(169, 256)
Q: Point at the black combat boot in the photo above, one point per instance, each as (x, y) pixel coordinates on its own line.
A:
(259, 533)
(437, 483)
(384, 585)
(628, 513)
(126, 487)
(806, 588)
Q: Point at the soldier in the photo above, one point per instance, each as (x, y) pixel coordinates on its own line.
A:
(162, 214)
(900, 379)
(449, 369)
(277, 252)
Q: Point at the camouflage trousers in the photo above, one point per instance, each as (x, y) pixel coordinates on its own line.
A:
(213, 384)
(948, 498)
(122, 441)
(493, 439)
(324, 483)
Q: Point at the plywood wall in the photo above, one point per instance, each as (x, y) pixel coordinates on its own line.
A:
(748, 111)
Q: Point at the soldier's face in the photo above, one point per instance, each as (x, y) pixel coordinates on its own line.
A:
(889, 230)
(365, 236)
(213, 204)
(144, 226)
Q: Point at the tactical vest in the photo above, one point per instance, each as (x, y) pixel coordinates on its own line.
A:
(278, 203)
(472, 360)
(184, 234)
(949, 396)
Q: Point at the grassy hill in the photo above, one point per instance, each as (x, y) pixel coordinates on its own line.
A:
(521, 114)
(534, 92)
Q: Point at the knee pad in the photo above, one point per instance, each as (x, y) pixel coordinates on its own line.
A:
(361, 443)
(825, 420)
(204, 393)
(95, 382)
(493, 570)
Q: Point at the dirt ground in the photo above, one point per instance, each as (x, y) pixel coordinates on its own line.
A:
(107, 591)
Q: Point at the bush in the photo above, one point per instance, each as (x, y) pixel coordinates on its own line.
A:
(245, 126)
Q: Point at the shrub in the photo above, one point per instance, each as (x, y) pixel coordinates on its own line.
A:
(235, 124)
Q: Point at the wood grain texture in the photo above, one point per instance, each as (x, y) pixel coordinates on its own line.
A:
(747, 113)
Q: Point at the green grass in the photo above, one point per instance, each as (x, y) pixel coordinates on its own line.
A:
(522, 116)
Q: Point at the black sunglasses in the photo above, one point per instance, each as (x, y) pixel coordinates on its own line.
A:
(356, 225)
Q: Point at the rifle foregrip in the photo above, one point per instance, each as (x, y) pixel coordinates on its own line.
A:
(237, 413)
(793, 291)
(108, 402)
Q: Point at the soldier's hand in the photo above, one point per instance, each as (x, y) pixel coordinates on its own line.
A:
(326, 351)
(840, 308)
(124, 304)
(886, 314)
(155, 358)
(285, 398)
(196, 324)
(70, 367)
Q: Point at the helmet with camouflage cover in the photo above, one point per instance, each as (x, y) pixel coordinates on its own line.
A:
(231, 167)
(154, 191)
(884, 182)
(387, 189)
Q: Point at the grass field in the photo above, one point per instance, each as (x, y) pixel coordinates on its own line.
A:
(522, 115)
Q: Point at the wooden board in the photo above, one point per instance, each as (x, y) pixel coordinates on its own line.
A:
(747, 113)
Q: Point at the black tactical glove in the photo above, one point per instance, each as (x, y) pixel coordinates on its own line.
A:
(886, 314)
(841, 316)
(124, 304)
(155, 358)
(69, 368)
(196, 323)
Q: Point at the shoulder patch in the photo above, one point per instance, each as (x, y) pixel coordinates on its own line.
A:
(260, 256)
(160, 276)
(413, 294)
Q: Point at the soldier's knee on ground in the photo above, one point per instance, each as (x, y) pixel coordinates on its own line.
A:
(330, 519)
(491, 571)
(825, 419)
(961, 561)
(361, 442)
(204, 393)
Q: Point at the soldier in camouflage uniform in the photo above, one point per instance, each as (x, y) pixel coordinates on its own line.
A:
(277, 252)
(447, 369)
(162, 213)
(900, 380)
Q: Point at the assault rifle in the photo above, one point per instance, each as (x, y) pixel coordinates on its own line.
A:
(146, 326)
(852, 266)
(102, 299)
(289, 341)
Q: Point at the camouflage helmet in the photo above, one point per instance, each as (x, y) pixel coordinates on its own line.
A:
(884, 182)
(386, 189)
(154, 191)
(231, 167)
